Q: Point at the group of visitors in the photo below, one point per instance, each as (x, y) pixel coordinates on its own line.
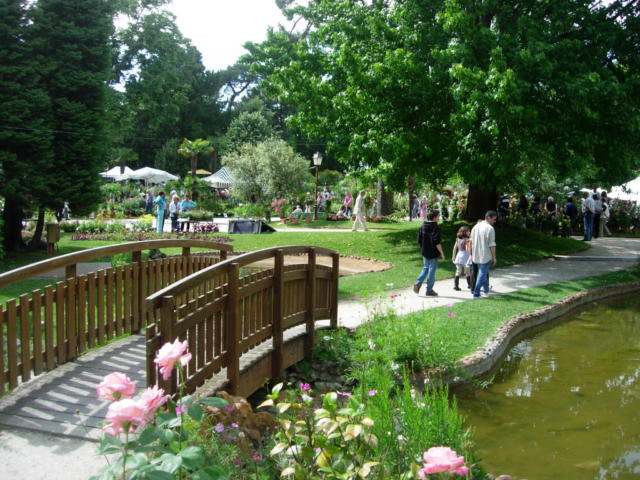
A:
(172, 210)
(595, 212)
(474, 251)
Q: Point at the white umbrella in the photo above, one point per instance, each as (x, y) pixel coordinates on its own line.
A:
(115, 173)
(150, 175)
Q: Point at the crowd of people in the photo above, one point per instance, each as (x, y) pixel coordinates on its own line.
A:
(172, 210)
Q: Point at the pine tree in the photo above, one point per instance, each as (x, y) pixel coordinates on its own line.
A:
(70, 40)
(24, 137)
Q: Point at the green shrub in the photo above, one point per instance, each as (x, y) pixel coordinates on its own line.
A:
(69, 226)
(133, 207)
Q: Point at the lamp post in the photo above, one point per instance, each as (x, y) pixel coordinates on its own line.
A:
(317, 161)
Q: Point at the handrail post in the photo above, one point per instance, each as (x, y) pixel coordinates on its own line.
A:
(136, 257)
(310, 314)
(335, 276)
(278, 303)
(232, 329)
(186, 263)
(167, 319)
(70, 271)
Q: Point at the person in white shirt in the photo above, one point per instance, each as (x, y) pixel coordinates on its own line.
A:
(588, 210)
(483, 250)
(359, 212)
(174, 213)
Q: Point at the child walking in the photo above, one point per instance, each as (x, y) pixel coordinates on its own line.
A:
(461, 257)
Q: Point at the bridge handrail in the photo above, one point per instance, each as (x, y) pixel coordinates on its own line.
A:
(187, 283)
(72, 259)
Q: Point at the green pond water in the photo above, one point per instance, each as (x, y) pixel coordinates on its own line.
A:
(565, 404)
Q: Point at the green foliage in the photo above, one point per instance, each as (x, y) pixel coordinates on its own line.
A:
(334, 441)
(261, 171)
(192, 149)
(249, 210)
(100, 227)
(164, 449)
(435, 88)
(248, 128)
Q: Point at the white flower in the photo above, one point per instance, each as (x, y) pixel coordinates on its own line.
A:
(326, 338)
(389, 284)
(372, 346)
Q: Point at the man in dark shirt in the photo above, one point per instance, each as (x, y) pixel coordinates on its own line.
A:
(571, 210)
(429, 241)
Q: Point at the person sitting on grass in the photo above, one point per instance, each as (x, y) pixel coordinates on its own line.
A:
(342, 213)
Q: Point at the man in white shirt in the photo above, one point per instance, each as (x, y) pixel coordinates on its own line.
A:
(359, 211)
(588, 210)
(483, 250)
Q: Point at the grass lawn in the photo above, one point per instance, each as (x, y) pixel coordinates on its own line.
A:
(441, 336)
(397, 246)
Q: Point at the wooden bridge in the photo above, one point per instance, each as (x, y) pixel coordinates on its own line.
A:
(243, 326)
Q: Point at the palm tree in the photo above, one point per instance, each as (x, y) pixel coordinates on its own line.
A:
(192, 148)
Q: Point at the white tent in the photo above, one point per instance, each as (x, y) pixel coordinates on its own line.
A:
(221, 179)
(115, 173)
(150, 175)
(628, 191)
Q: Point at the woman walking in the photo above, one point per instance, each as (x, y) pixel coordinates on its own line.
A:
(161, 204)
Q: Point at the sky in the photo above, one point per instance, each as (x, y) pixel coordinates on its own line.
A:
(219, 28)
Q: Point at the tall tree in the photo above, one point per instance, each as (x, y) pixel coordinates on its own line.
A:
(70, 42)
(24, 134)
(497, 91)
(168, 90)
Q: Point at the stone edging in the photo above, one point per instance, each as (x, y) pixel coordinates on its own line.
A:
(486, 357)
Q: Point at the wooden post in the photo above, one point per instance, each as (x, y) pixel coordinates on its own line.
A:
(167, 319)
(232, 329)
(70, 271)
(310, 313)
(136, 257)
(335, 276)
(278, 303)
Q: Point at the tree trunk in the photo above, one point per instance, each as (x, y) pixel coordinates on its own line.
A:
(12, 228)
(214, 161)
(194, 165)
(479, 202)
(36, 241)
(385, 200)
(411, 185)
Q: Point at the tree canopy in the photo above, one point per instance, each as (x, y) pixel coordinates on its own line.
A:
(499, 92)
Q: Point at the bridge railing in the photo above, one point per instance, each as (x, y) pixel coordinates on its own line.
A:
(53, 325)
(223, 315)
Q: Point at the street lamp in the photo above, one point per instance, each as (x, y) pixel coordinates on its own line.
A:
(317, 161)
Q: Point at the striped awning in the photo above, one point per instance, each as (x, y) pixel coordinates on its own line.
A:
(221, 179)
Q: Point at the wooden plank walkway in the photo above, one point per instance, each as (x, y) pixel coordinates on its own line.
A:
(63, 401)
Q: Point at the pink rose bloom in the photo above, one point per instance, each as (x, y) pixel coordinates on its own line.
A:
(116, 386)
(152, 399)
(442, 459)
(305, 387)
(169, 355)
(125, 415)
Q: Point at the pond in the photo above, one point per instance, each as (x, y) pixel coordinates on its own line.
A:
(565, 403)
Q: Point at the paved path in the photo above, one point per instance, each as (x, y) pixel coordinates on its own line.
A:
(63, 402)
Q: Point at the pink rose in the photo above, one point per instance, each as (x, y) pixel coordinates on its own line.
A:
(152, 399)
(169, 355)
(116, 386)
(125, 415)
(442, 459)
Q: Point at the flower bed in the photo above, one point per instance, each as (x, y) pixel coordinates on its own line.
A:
(139, 236)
